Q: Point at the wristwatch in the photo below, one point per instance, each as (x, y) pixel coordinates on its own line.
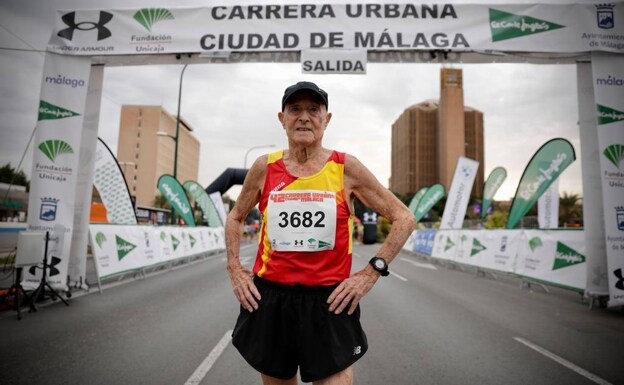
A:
(380, 265)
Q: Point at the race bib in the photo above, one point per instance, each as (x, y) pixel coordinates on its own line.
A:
(302, 220)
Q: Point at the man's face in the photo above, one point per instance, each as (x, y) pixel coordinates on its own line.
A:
(304, 118)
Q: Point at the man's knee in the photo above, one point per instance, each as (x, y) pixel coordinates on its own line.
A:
(344, 377)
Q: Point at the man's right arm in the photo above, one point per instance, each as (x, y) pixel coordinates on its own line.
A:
(241, 277)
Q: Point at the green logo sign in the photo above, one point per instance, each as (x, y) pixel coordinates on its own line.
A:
(535, 242)
(123, 247)
(163, 236)
(492, 184)
(615, 154)
(48, 111)
(208, 209)
(175, 242)
(566, 256)
(192, 240)
(449, 244)
(608, 115)
(428, 200)
(171, 189)
(100, 238)
(323, 244)
(504, 25)
(149, 16)
(53, 148)
(477, 247)
(541, 171)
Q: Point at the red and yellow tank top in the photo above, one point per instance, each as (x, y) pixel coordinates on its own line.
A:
(306, 229)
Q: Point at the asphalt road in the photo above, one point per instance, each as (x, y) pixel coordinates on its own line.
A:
(426, 324)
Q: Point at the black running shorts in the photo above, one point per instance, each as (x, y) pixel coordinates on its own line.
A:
(293, 328)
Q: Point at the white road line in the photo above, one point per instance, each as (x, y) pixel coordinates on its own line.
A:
(418, 264)
(590, 376)
(398, 276)
(205, 366)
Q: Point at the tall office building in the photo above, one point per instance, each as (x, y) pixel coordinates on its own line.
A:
(429, 137)
(144, 155)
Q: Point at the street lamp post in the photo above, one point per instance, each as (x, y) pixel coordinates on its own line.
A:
(253, 148)
(176, 136)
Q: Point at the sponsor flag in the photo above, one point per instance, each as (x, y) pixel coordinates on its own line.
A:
(112, 187)
(416, 198)
(608, 74)
(55, 166)
(548, 207)
(210, 213)
(171, 189)
(491, 186)
(459, 194)
(429, 199)
(543, 169)
(218, 203)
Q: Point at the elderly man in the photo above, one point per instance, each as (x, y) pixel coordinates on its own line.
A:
(300, 304)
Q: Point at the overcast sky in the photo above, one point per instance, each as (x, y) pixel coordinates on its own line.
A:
(233, 107)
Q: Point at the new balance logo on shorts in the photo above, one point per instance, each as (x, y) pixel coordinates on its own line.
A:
(357, 350)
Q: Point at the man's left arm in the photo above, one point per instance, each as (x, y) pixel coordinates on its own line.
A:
(360, 182)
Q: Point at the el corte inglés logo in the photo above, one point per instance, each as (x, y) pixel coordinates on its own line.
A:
(123, 247)
(48, 111)
(566, 256)
(175, 242)
(504, 25)
(477, 247)
(147, 17)
(449, 244)
(608, 115)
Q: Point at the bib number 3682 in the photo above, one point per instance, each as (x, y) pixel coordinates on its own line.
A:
(297, 219)
(301, 220)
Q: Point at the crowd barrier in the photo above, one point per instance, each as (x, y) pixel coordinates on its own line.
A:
(121, 249)
(552, 257)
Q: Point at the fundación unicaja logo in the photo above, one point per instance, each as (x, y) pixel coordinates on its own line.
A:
(505, 25)
(147, 17)
(123, 247)
(615, 154)
(49, 111)
(100, 238)
(53, 148)
(535, 242)
(608, 115)
(566, 256)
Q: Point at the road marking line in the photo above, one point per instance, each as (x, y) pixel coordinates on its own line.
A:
(590, 376)
(398, 276)
(418, 264)
(205, 366)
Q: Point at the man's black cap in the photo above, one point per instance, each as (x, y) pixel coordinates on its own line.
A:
(301, 86)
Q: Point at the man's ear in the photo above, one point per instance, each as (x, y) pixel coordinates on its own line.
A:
(280, 117)
(327, 119)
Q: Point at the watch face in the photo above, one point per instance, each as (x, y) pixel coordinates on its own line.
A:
(380, 264)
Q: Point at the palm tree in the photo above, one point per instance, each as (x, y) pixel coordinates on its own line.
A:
(569, 207)
(161, 202)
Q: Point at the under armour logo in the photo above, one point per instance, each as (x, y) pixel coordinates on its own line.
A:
(70, 20)
(51, 267)
(299, 243)
(620, 283)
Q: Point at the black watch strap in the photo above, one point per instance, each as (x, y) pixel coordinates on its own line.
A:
(380, 265)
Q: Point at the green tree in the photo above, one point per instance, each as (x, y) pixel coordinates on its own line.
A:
(8, 175)
(569, 207)
(161, 202)
(496, 220)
